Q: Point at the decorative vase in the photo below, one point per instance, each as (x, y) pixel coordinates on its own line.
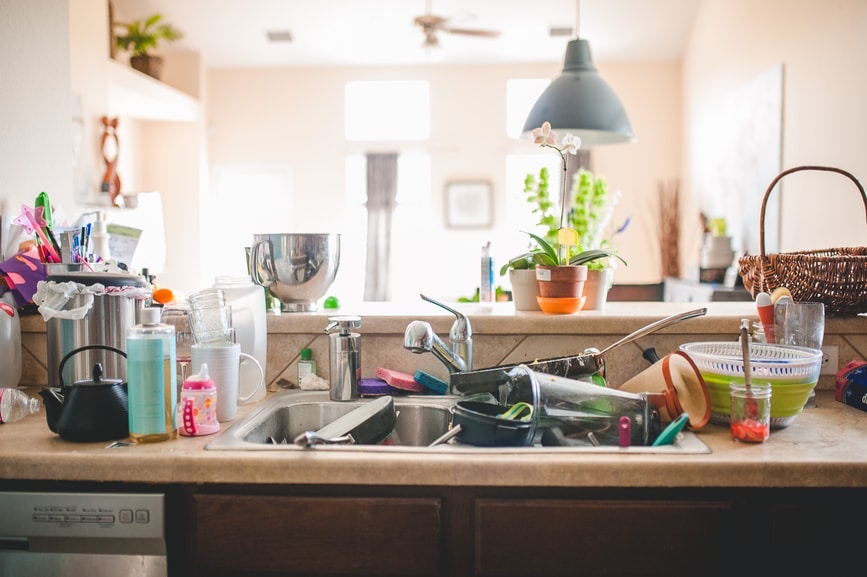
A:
(525, 289)
(565, 281)
(596, 288)
(150, 65)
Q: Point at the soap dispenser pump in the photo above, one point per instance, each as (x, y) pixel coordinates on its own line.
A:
(345, 359)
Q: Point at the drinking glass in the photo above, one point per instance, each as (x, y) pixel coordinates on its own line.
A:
(178, 316)
(210, 322)
(804, 324)
(207, 297)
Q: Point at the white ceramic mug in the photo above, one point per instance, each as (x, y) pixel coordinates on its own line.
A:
(224, 362)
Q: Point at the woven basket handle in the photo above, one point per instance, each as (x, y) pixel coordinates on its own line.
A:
(790, 171)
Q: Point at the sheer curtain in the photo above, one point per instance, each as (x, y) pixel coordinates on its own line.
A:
(381, 195)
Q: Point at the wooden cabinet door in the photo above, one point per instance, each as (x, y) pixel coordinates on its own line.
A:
(818, 538)
(317, 535)
(554, 537)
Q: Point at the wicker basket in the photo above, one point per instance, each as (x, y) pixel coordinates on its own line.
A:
(836, 277)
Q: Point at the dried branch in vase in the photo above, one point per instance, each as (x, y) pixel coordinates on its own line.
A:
(669, 228)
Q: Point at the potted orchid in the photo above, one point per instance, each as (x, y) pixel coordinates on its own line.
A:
(562, 246)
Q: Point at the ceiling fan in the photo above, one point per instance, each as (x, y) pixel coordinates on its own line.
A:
(431, 25)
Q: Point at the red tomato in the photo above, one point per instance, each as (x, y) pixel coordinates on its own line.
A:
(750, 431)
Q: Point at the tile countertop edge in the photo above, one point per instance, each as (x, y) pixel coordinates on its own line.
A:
(824, 447)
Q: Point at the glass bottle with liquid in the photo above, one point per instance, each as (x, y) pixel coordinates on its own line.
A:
(152, 379)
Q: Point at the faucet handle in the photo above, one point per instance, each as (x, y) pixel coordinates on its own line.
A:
(345, 323)
(461, 329)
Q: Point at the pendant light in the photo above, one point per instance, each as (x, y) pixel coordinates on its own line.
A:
(580, 102)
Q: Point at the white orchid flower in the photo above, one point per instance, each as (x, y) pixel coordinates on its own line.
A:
(544, 135)
(570, 144)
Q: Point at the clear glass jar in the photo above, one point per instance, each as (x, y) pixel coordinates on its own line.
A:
(750, 417)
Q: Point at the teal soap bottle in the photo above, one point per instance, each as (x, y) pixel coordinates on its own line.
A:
(151, 379)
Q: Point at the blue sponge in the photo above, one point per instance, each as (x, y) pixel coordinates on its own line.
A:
(436, 385)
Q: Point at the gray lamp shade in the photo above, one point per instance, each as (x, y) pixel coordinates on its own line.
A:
(580, 102)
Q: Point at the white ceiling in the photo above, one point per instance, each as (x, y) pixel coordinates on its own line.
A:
(232, 33)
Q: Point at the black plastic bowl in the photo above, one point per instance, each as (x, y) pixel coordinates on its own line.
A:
(480, 426)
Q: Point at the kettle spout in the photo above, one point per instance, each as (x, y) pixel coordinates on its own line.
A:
(53, 401)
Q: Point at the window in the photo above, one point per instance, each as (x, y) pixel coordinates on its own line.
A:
(411, 218)
(228, 224)
(392, 110)
(521, 94)
(519, 213)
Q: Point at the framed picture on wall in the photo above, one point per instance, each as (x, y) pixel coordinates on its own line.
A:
(469, 204)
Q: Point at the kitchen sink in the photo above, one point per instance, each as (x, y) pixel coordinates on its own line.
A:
(420, 420)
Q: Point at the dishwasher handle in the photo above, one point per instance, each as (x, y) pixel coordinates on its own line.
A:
(14, 544)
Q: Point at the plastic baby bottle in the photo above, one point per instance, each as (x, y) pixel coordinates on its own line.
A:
(199, 405)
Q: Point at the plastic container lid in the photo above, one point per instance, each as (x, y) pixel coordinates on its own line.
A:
(306, 354)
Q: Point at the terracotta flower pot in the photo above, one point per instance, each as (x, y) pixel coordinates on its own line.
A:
(561, 281)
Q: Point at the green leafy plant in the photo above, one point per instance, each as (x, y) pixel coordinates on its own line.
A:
(144, 35)
(545, 254)
(591, 211)
(537, 189)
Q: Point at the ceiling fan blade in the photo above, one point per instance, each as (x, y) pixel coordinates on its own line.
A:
(472, 32)
(429, 21)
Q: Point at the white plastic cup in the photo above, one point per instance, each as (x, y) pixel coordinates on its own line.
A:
(224, 362)
(249, 319)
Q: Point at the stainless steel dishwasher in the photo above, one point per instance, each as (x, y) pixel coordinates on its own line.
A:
(94, 534)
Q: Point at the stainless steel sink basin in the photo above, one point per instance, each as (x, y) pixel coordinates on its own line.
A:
(420, 420)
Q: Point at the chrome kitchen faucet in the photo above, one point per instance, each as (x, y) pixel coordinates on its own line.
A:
(419, 338)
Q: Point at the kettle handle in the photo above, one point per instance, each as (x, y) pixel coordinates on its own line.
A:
(74, 352)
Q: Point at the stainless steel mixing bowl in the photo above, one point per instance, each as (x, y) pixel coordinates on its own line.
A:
(297, 268)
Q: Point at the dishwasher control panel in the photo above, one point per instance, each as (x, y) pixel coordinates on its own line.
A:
(86, 515)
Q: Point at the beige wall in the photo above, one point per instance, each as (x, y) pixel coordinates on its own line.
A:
(295, 116)
(35, 107)
(823, 48)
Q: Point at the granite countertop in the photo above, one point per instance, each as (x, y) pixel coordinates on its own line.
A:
(826, 446)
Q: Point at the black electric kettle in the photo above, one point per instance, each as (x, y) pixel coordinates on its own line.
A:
(91, 410)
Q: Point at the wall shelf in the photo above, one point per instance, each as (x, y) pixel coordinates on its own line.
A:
(136, 95)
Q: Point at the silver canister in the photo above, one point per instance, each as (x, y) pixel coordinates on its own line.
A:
(105, 323)
(345, 358)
